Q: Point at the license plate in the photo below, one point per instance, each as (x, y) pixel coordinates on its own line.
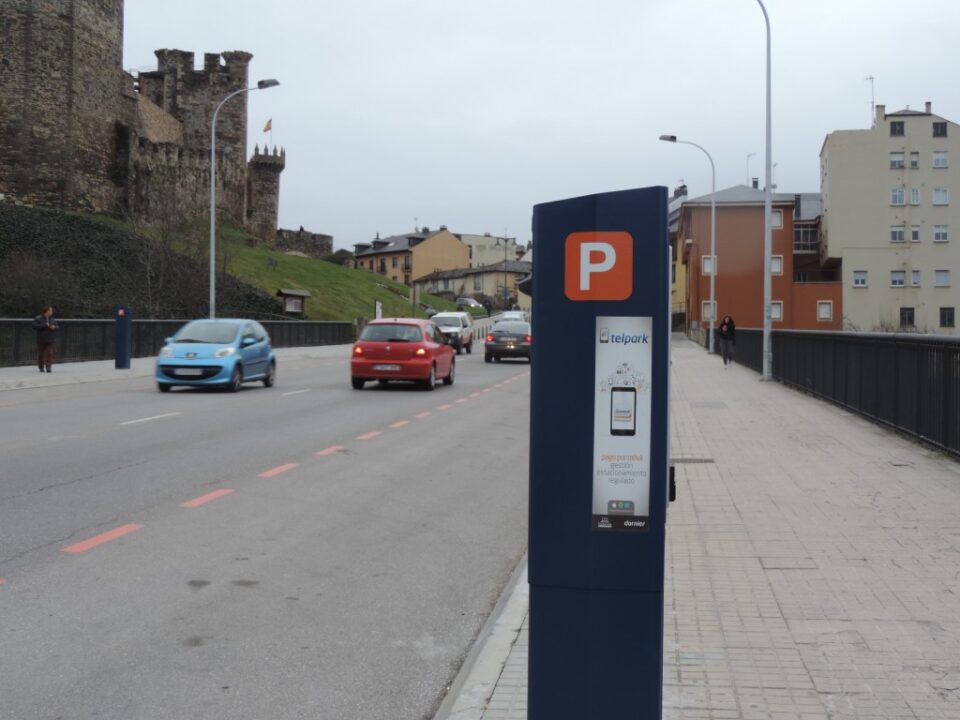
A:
(188, 371)
(387, 368)
(510, 340)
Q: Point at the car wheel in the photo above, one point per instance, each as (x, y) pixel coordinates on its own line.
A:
(448, 380)
(469, 347)
(163, 387)
(431, 382)
(459, 349)
(487, 357)
(357, 383)
(236, 379)
(271, 377)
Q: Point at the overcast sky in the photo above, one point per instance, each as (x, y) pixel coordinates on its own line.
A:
(468, 113)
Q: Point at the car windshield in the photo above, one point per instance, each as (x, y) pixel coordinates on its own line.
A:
(517, 328)
(392, 333)
(207, 332)
(449, 321)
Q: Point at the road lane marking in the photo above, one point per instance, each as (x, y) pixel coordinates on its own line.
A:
(475, 395)
(102, 538)
(444, 407)
(399, 423)
(421, 416)
(204, 499)
(486, 390)
(461, 400)
(331, 450)
(148, 419)
(273, 472)
(297, 392)
(369, 435)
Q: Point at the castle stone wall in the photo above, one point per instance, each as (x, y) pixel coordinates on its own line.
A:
(60, 100)
(263, 192)
(316, 245)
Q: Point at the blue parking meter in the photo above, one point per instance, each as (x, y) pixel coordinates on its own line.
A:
(598, 456)
(122, 322)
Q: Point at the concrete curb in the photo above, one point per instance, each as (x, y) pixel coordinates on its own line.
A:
(474, 685)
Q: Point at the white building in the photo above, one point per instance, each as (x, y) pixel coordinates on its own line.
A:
(890, 221)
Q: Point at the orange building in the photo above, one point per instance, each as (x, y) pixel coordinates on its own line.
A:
(804, 295)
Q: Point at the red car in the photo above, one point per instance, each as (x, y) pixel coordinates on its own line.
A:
(402, 349)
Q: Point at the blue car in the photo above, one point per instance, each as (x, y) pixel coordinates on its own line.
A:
(223, 353)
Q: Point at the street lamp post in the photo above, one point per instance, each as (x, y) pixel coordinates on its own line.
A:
(713, 232)
(261, 85)
(506, 292)
(767, 226)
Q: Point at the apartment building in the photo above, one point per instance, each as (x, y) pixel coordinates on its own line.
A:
(406, 257)
(890, 223)
(804, 295)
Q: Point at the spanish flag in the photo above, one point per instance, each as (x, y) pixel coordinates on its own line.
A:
(269, 126)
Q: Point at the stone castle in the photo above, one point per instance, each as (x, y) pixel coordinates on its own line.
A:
(78, 132)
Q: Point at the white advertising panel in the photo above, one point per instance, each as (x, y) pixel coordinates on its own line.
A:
(621, 423)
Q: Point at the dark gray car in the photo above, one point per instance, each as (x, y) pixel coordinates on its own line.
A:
(508, 340)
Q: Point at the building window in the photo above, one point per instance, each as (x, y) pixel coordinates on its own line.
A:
(804, 238)
(860, 278)
(897, 278)
(673, 273)
(941, 233)
(393, 277)
(914, 196)
(940, 158)
(776, 311)
(939, 129)
(896, 160)
(906, 317)
(896, 128)
(433, 285)
(776, 265)
(915, 278)
(393, 262)
(897, 233)
(705, 311)
(896, 196)
(824, 310)
(941, 196)
(946, 317)
(706, 265)
(914, 160)
(776, 219)
(477, 282)
(914, 233)
(446, 284)
(941, 278)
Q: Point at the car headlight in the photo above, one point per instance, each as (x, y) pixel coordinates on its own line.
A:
(224, 352)
(166, 352)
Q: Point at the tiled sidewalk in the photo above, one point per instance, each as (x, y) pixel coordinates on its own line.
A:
(813, 562)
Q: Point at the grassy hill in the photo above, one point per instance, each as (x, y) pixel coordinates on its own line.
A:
(86, 265)
(337, 293)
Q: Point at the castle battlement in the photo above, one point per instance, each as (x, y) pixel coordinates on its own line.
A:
(266, 159)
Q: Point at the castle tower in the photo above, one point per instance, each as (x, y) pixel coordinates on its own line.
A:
(263, 193)
(61, 93)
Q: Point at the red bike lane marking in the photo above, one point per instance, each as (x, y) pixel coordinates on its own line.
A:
(278, 470)
(102, 538)
(331, 450)
(421, 416)
(204, 499)
(399, 424)
(369, 435)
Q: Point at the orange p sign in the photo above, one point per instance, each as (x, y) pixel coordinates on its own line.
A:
(598, 266)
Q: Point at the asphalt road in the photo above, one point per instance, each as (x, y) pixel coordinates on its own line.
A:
(304, 551)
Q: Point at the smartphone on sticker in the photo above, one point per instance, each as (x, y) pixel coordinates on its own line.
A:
(623, 411)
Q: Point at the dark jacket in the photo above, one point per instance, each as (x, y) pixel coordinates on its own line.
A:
(728, 331)
(46, 328)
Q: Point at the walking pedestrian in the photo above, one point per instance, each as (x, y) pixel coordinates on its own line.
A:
(46, 328)
(728, 339)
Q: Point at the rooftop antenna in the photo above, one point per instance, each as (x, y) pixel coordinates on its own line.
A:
(873, 105)
(415, 225)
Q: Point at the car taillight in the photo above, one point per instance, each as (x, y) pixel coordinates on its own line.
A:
(528, 338)
(489, 338)
(420, 352)
(357, 350)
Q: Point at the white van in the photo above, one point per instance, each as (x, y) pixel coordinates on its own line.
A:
(457, 327)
